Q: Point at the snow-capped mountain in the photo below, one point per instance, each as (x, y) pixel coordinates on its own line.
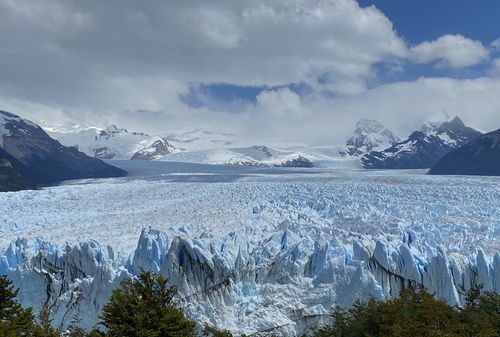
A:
(244, 156)
(369, 135)
(423, 148)
(112, 142)
(156, 148)
(40, 159)
(196, 146)
(481, 156)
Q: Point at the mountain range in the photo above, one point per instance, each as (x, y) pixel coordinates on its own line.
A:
(372, 145)
(196, 146)
(29, 156)
(423, 148)
(112, 142)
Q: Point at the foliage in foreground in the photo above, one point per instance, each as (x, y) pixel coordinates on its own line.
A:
(14, 320)
(418, 314)
(144, 307)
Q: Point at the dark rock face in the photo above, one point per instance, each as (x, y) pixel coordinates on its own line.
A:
(43, 160)
(158, 148)
(423, 148)
(104, 153)
(10, 180)
(264, 149)
(481, 156)
(300, 161)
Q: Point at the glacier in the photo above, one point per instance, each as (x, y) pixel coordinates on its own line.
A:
(252, 250)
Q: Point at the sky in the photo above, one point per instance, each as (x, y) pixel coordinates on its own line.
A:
(270, 71)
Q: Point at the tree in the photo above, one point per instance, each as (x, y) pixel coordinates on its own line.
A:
(14, 320)
(74, 329)
(489, 306)
(145, 307)
(478, 312)
(414, 313)
(96, 333)
(44, 327)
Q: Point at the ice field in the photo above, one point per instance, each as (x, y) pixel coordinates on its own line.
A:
(252, 249)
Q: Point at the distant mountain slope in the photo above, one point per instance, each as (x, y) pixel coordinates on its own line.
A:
(154, 149)
(481, 156)
(423, 148)
(195, 146)
(112, 142)
(369, 135)
(43, 160)
(10, 180)
(244, 156)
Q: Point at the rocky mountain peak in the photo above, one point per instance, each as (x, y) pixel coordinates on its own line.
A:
(159, 147)
(368, 135)
(423, 148)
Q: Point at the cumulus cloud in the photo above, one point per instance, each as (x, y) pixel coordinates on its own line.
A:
(281, 103)
(495, 45)
(401, 106)
(495, 69)
(454, 51)
(63, 51)
(131, 62)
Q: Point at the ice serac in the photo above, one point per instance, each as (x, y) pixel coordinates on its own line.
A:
(72, 282)
(150, 252)
(281, 284)
(423, 148)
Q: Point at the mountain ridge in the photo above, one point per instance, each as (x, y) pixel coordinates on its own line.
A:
(42, 160)
(481, 156)
(423, 148)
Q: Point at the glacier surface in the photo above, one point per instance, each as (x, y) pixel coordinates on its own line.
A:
(251, 250)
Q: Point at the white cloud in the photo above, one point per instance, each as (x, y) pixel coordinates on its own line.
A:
(454, 51)
(282, 103)
(401, 106)
(495, 69)
(495, 45)
(128, 63)
(261, 42)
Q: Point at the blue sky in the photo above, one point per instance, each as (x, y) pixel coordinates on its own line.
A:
(421, 20)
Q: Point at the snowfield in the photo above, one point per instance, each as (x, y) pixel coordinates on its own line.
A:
(251, 249)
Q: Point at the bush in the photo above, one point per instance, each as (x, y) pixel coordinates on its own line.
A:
(417, 314)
